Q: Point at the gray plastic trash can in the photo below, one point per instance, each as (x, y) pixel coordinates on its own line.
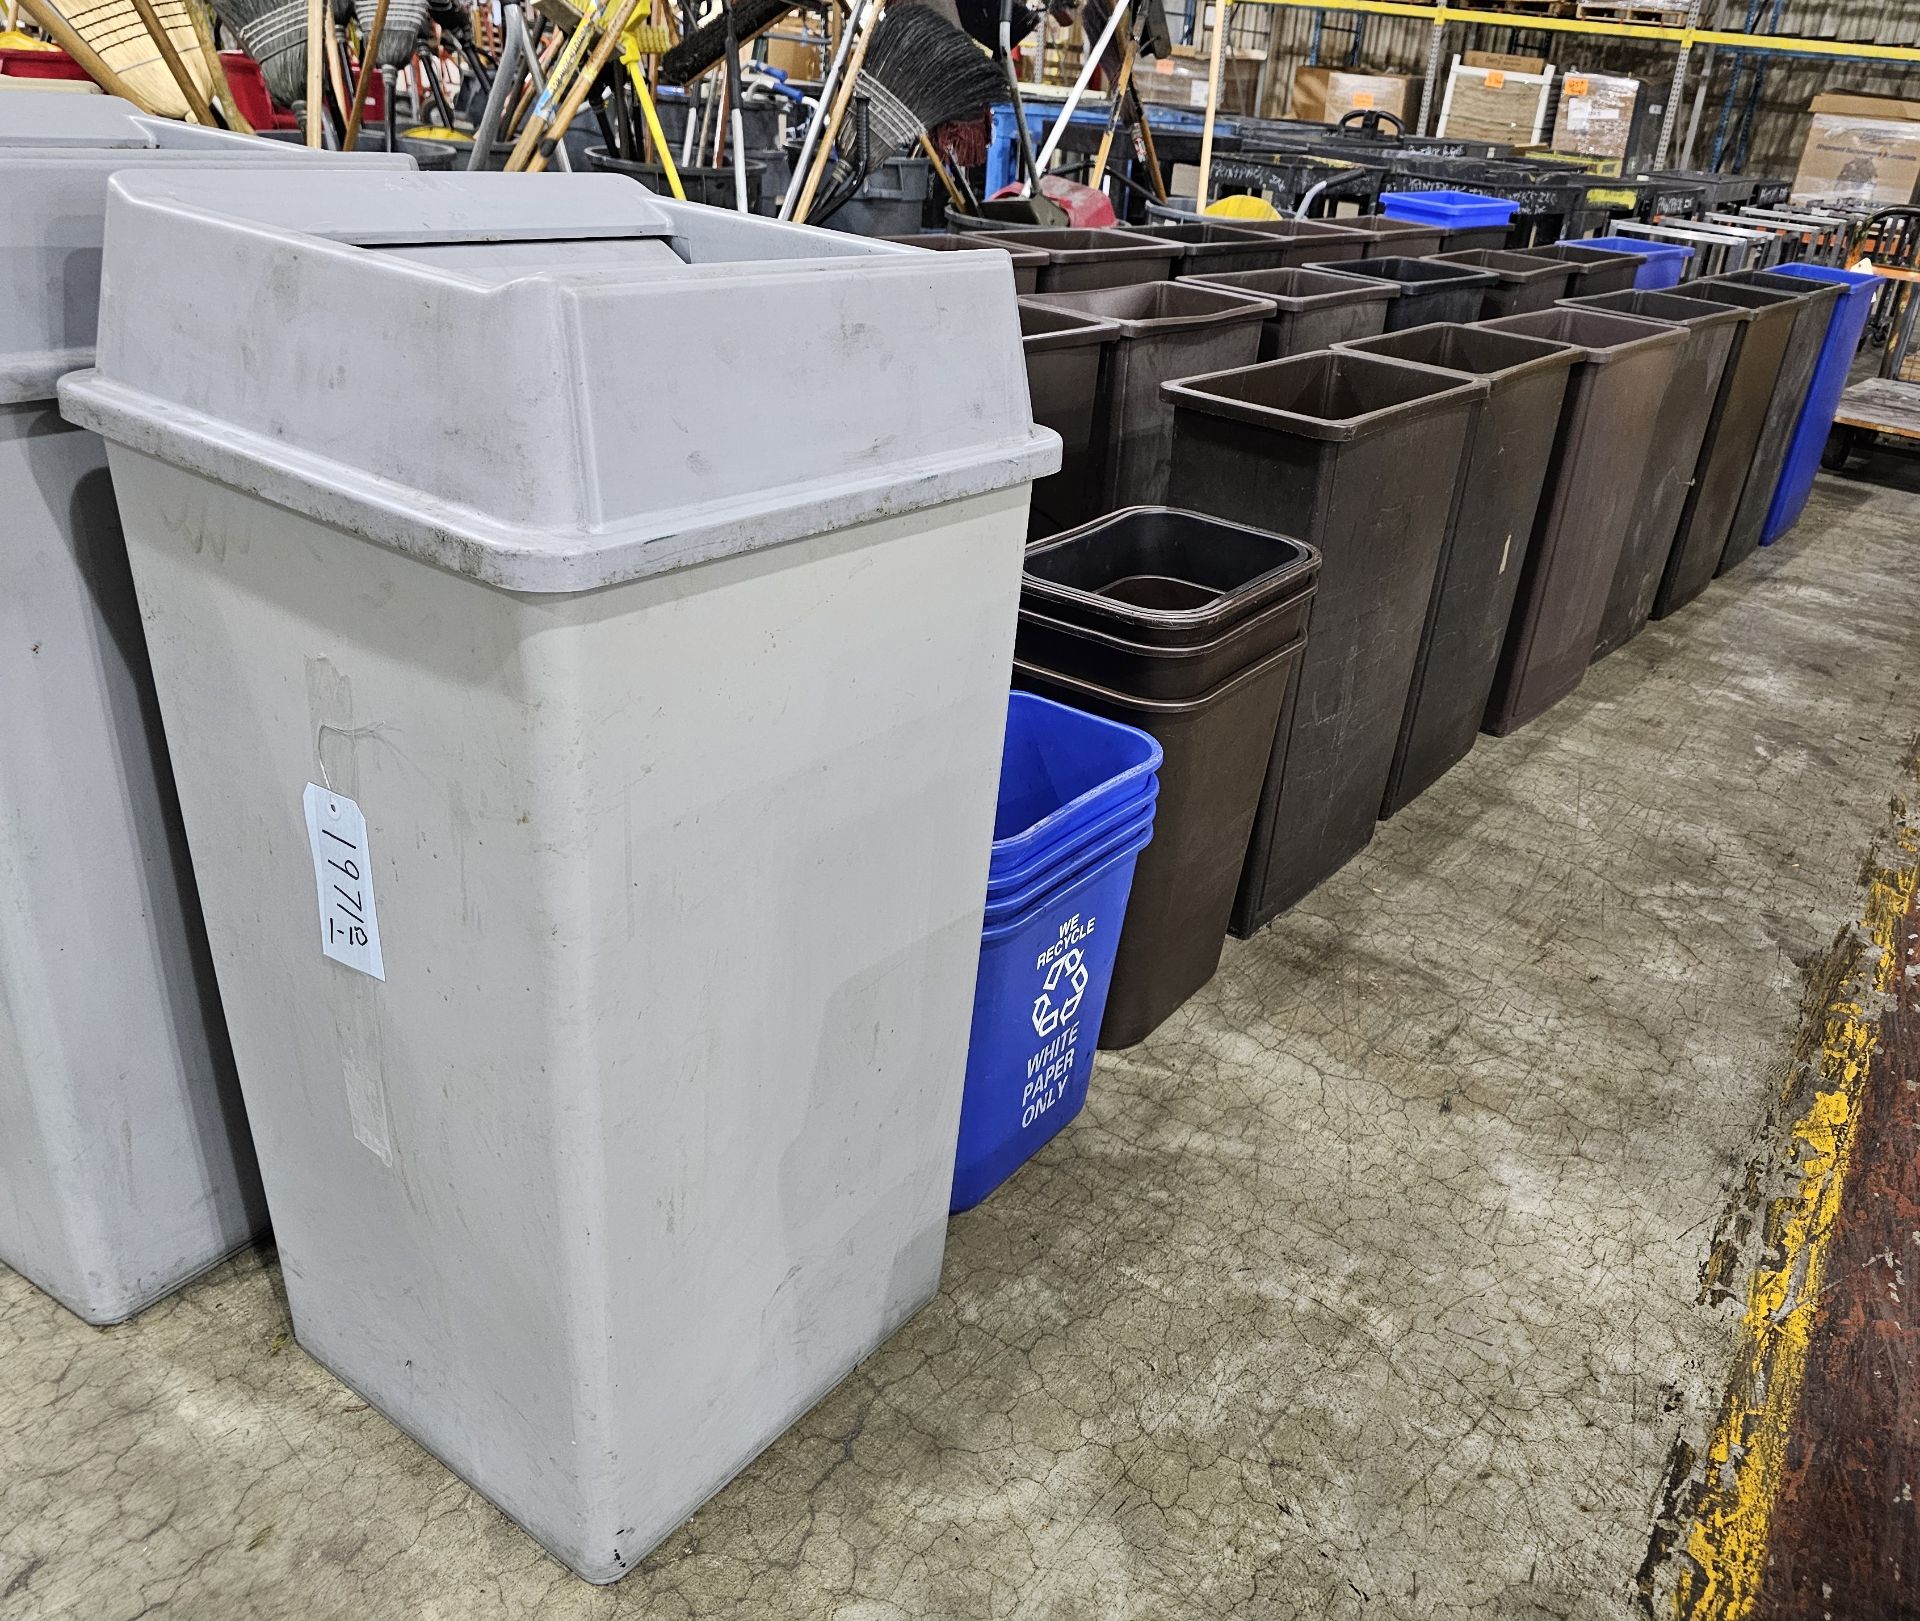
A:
(675, 744)
(1311, 309)
(125, 1166)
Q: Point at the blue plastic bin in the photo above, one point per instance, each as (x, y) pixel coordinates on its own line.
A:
(1077, 799)
(1037, 1006)
(1454, 210)
(1666, 261)
(1844, 329)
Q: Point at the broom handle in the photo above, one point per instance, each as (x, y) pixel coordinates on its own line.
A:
(45, 13)
(652, 116)
(365, 76)
(316, 21)
(216, 69)
(941, 173)
(584, 81)
(828, 88)
(1145, 126)
(1205, 183)
(1087, 69)
(841, 103)
(1099, 174)
(505, 77)
(163, 42)
(559, 80)
(336, 74)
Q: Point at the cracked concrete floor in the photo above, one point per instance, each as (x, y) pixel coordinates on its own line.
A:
(1366, 1288)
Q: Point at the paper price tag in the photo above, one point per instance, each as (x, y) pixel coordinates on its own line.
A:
(1362, 100)
(1495, 79)
(1578, 87)
(343, 879)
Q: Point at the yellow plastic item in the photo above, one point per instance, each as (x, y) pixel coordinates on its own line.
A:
(1243, 208)
(11, 39)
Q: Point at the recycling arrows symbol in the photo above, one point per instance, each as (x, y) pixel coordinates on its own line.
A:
(1049, 1015)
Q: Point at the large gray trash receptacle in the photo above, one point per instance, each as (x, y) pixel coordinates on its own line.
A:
(1311, 309)
(125, 1167)
(1614, 395)
(676, 741)
(1673, 454)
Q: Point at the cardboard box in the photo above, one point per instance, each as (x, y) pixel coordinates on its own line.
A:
(1180, 80)
(1863, 160)
(1598, 115)
(1501, 62)
(1326, 95)
(1493, 104)
(1859, 104)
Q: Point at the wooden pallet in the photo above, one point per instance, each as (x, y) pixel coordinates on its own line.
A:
(1631, 11)
(1528, 8)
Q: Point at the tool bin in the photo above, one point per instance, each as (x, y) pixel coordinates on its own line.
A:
(1083, 259)
(1488, 533)
(125, 1162)
(1026, 261)
(1161, 330)
(1084, 789)
(1468, 220)
(1429, 291)
(1664, 263)
(1213, 245)
(1673, 454)
(1397, 238)
(1595, 270)
(1217, 595)
(1613, 397)
(1310, 309)
(602, 1136)
(1300, 241)
(1361, 456)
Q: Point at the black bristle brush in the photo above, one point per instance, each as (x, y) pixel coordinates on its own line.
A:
(704, 46)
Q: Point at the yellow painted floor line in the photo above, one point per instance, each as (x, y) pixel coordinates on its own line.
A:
(1725, 1543)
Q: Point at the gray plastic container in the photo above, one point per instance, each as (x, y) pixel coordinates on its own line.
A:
(1026, 261)
(1064, 351)
(1392, 238)
(1430, 292)
(621, 1166)
(1523, 281)
(1489, 531)
(1311, 309)
(1357, 457)
(1214, 245)
(1304, 241)
(1086, 259)
(1733, 430)
(1673, 455)
(125, 1162)
(1162, 330)
(1595, 270)
(1813, 311)
(1606, 429)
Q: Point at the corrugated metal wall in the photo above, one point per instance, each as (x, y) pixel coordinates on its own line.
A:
(1772, 136)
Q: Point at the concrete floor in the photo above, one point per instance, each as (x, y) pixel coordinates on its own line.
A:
(1368, 1287)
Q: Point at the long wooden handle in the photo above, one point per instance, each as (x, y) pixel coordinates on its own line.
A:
(837, 116)
(941, 173)
(48, 16)
(163, 42)
(1113, 117)
(360, 80)
(583, 82)
(1219, 43)
(216, 69)
(316, 112)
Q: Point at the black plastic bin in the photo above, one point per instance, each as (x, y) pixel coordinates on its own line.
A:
(1523, 281)
(1299, 241)
(1469, 238)
(1358, 457)
(1429, 291)
(1813, 311)
(1163, 576)
(1673, 456)
(1488, 532)
(1063, 351)
(1595, 270)
(1161, 330)
(1726, 454)
(1083, 259)
(1210, 245)
(1150, 599)
(708, 185)
(1026, 261)
(1407, 239)
(1606, 426)
(1311, 309)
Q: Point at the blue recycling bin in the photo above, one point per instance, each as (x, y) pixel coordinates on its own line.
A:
(1077, 797)
(1666, 261)
(1453, 210)
(1844, 329)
